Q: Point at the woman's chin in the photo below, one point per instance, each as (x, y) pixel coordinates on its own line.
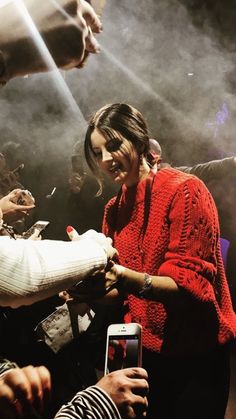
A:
(117, 177)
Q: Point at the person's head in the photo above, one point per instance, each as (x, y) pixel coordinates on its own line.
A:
(155, 147)
(117, 143)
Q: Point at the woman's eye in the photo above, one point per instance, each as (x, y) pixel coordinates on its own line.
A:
(98, 154)
(114, 145)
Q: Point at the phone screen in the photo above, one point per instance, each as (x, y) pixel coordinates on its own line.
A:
(39, 225)
(122, 352)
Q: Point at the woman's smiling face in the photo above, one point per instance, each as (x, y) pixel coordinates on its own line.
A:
(116, 157)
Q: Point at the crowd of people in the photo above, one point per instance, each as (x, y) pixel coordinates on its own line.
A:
(158, 259)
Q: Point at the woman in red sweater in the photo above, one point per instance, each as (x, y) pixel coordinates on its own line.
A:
(165, 228)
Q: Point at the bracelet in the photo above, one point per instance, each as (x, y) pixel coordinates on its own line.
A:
(147, 286)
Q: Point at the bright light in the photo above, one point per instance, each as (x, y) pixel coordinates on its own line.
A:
(50, 63)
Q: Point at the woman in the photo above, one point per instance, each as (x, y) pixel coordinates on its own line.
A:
(165, 228)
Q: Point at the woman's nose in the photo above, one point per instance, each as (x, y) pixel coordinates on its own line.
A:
(106, 156)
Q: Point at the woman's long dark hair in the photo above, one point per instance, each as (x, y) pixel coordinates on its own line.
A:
(112, 120)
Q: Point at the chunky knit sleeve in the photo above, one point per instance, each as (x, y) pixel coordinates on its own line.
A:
(194, 234)
(35, 270)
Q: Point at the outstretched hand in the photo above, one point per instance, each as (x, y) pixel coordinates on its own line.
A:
(13, 211)
(66, 27)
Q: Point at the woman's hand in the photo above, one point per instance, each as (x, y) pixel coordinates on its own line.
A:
(13, 211)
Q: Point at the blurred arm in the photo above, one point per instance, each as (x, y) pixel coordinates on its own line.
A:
(66, 27)
(211, 170)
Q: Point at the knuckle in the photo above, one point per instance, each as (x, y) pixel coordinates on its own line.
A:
(5, 395)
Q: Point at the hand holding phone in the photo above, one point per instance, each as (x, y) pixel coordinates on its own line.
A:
(39, 226)
(123, 346)
(128, 388)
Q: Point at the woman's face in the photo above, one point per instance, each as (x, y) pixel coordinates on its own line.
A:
(117, 158)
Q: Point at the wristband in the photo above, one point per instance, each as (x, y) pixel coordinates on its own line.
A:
(147, 286)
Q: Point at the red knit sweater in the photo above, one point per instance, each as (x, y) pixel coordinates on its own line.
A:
(180, 240)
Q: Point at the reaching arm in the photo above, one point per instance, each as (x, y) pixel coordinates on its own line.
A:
(212, 170)
(65, 26)
(119, 394)
(35, 270)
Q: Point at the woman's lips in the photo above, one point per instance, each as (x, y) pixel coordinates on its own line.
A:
(114, 169)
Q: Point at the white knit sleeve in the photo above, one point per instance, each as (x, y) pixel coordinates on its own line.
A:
(35, 270)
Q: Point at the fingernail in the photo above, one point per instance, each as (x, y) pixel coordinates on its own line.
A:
(69, 229)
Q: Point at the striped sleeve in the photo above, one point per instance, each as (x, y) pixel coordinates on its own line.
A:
(6, 365)
(92, 403)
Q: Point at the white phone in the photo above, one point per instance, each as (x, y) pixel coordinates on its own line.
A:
(123, 346)
(39, 225)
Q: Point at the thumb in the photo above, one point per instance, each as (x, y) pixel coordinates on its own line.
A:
(72, 233)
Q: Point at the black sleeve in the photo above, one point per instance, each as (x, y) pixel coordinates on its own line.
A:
(214, 169)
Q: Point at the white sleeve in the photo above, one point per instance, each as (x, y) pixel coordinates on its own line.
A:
(35, 270)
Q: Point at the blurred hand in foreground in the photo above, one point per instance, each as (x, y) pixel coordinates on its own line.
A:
(67, 28)
(23, 391)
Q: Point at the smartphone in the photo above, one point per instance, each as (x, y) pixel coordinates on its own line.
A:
(39, 225)
(123, 346)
